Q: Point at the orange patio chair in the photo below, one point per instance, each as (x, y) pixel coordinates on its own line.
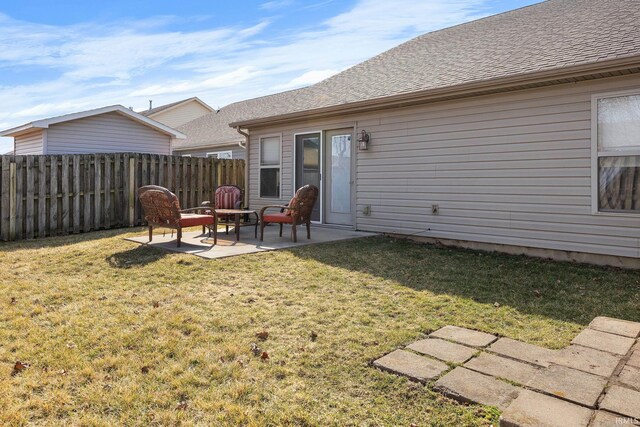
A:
(298, 211)
(162, 209)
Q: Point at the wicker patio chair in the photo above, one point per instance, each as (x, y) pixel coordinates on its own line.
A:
(162, 209)
(298, 211)
(226, 197)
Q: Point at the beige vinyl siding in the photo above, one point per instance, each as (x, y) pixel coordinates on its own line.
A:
(509, 169)
(106, 133)
(237, 152)
(30, 143)
(180, 115)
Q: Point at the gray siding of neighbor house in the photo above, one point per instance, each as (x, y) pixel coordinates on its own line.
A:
(180, 115)
(30, 143)
(236, 151)
(105, 133)
(505, 169)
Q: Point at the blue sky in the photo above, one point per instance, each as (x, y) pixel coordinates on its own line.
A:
(63, 56)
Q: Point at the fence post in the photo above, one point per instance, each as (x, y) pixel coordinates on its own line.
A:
(13, 200)
(132, 191)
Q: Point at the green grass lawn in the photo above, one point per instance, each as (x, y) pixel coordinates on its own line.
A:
(116, 333)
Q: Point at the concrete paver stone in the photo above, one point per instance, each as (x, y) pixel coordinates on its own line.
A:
(587, 360)
(630, 376)
(533, 409)
(502, 367)
(464, 336)
(604, 341)
(411, 365)
(570, 384)
(468, 386)
(623, 401)
(522, 351)
(443, 350)
(634, 360)
(616, 326)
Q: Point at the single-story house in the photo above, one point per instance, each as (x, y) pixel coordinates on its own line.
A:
(109, 129)
(518, 132)
(178, 113)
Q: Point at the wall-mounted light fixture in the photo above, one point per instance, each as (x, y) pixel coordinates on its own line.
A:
(363, 141)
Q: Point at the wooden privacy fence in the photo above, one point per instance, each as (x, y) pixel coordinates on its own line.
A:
(60, 194)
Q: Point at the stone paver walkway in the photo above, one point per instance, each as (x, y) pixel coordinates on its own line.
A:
(593, 382)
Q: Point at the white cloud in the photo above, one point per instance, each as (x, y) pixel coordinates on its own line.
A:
(277, 4)
(95, 64)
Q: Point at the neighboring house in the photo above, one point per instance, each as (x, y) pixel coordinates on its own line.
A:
(211, 136)
(518, 132)
(178, 113)
(104, 130)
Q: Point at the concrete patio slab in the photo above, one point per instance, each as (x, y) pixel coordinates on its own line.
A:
(468, 386)
(616, 326)
(522, 351)
(630, 376)
(623, 401)
(411, 365)
(604, 341)
(443, 350)
(570, 384)
(587, 359)
(502, 367)
(196, 243)
(531, 409)
(464, 336)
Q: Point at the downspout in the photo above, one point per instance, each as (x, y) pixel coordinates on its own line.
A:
(246, 163)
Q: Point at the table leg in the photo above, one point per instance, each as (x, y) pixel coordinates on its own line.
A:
(215, 228)
(237, 218)
(255, 232)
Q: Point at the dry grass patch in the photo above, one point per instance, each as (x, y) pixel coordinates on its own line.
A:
(116, 333)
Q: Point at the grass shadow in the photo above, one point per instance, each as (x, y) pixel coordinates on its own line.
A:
(136, 257)
(66, 240)
(561, 290)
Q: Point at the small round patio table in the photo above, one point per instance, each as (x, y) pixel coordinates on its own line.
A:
(237, 213)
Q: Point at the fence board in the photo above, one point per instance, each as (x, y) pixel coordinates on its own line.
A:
(108, 161)
(64, 189)
(30, 199)
(5, 200)
(42, 196)
(49, 195)
(97, 192)
(20, 194)
(76, 194)
(117, 190)
(53, 195)
(86, 193)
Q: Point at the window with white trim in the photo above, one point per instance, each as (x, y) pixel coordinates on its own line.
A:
(228, 154)
(270, 165)
(617, 153)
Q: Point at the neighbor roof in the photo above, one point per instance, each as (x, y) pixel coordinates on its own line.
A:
(45, 123)
(552, 38)
(213, 128)
(165, 107)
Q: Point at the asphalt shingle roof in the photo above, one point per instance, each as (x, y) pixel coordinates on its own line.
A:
(547, 36)
(164, 107)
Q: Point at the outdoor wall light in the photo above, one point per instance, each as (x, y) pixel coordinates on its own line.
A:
(363, 141)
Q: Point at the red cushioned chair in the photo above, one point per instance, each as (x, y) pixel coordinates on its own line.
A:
(226, 197)
(297, 212)
(162, 209)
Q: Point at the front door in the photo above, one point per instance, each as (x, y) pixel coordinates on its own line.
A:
(338, 148)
